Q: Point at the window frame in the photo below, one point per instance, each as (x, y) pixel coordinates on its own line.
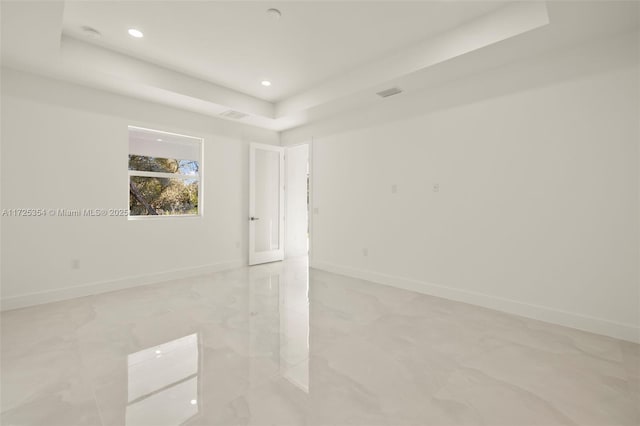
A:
(198, 176)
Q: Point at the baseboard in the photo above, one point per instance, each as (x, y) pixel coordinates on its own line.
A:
(613, 329)
(89, 289)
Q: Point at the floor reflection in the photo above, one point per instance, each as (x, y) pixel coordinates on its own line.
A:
(279, 301)
(166, 383)
(294, 323)
(163, 383)
(279, 344)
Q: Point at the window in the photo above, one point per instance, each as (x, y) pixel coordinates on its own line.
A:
(164, 174)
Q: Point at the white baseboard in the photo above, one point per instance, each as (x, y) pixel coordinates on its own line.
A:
(89, 289)
(613, 329)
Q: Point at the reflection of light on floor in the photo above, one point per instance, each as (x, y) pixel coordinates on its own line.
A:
(163, 383)
(294, 324)
(279, 297)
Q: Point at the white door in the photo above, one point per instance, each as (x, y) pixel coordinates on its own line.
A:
(297, 198)
(266, 203)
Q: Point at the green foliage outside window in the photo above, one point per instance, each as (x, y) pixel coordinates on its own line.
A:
(166, 195)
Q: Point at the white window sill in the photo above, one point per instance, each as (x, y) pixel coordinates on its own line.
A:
(163, 216)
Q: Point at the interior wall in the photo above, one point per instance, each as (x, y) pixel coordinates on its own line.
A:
(66, 147)
(296, 215)
(504, 190)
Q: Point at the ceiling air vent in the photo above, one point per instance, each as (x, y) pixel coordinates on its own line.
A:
(389, 92)
(234, 115)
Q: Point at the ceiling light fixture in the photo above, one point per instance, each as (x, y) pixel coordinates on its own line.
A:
(274, 13)
(135, 33)
(193, 402)
(266, 83)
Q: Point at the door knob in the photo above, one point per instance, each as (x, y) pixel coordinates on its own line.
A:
(254, 218)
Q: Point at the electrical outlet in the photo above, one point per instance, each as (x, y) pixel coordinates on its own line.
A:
(394, 188)
(365, 252)
(436, 187)
(237, 244)
(75, 264)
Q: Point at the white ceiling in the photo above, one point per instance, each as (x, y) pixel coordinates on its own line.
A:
(323, 57)
(237, 45)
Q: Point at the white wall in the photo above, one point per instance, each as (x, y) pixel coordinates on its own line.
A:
(65, 146)
(538, 207)
(297, 158)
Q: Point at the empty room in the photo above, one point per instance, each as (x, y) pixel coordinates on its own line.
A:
(329, 213)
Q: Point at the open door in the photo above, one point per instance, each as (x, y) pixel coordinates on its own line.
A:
(266, 203)
(296, 235)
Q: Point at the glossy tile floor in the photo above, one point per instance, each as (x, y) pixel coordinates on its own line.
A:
(279, 345)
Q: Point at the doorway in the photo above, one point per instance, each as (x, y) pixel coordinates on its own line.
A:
(279, 202)
(266, 203)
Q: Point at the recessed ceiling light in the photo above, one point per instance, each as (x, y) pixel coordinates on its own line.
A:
(135, 33)
(274, 13)
(266, 83)
(91, 32)
(159, 140)
(194, 402)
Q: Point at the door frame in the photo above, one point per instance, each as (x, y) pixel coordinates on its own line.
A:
(273, 255)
